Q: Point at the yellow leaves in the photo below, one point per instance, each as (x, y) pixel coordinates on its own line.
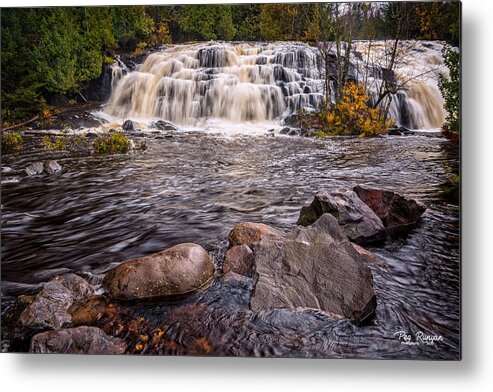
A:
(352, 115)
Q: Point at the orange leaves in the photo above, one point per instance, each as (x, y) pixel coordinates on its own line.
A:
(352, 115)
(203, 346)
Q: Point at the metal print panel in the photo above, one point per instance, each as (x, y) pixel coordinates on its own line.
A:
(266, 180)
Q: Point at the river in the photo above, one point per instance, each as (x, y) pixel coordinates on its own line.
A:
(194, 187)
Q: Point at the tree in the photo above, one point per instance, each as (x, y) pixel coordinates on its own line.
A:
(246, 21)
(208, 22)
(450, 89)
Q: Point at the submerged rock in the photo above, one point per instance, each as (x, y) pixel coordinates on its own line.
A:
(80, 340)
(314, 267)
(52, 167)
(395, 211)
(247, 233)
(49, 308)
(239, 259)
(399, 131)
(356, 219)
(176, 271)
(34, 169)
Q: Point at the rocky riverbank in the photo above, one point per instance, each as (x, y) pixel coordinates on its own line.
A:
(143, 304)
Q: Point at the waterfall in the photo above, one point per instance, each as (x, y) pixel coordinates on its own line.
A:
(267, 82)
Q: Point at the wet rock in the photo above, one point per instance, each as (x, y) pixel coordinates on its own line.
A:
(284, 131)
(368, 256)
(395, 211)
(164, 126)
(313, 267)
(247, 233)
(176, 271)
(239, 259)
(356, 219)
(34, 169)
(52, 167)
(7, 170)
(80, 340)
(294, 132)
(292, 119)
(128, 125)
(399, 131)
(92, 310)
(49, 308)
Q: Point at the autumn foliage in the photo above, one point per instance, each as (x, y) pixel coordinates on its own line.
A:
(352, 115)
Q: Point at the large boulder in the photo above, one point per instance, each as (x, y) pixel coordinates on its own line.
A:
(395, 211)
(80, 340)
(49, 308)
(314, 267)
(239, 259)
(247, 233)
(176, 271)
(356, 219)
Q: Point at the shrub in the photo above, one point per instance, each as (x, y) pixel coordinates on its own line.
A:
(450, 89)
(11, 142)
(353, 116)
(114, 143)
(68, 142)
(54, 144)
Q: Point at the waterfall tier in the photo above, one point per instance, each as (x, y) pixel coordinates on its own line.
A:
(268, 82)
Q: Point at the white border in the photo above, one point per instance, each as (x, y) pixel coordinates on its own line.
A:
(78, 373)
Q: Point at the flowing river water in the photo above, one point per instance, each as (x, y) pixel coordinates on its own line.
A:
(195, 187)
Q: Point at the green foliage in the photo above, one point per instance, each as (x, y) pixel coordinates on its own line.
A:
(11, 142)
(131, 25)
(114, 143)
(207, 22)
(67, 142)
(246, 21)
(450, 89)
(54, 144)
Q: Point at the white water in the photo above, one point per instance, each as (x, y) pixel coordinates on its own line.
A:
(243, 87)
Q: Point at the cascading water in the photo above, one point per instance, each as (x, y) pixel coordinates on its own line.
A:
(268, 82)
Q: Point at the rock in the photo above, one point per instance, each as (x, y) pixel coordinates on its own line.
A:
(292, 119)
(314, 267)
(34, 169)
(294, 132)
(49, 309)
(356, 219)
(239, 259)
(7, 170)
(80, 340)
(164, 126)
(52, 167)
(369, 257)
(128, 125)
(399, 131)
(395, 211)
(284, 131)
(247, 233)
(176, 271)
(394, 131)
(91, 310)
(92, 135)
